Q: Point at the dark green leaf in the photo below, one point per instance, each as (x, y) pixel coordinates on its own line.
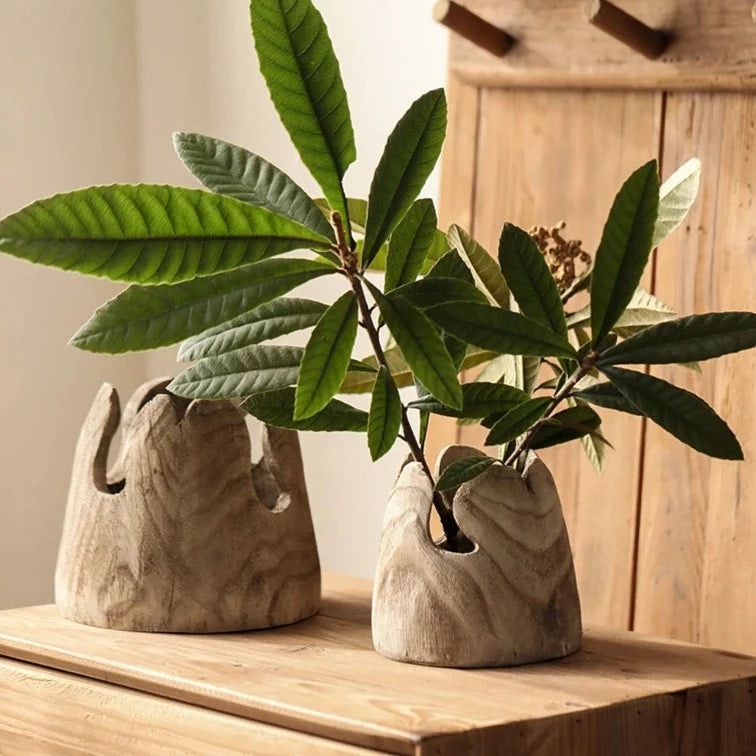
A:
(226, 169)
(422, 347)
(564, 426)
(518, 420)
(497, 329)
(483, 267)
(266, 322)
(529, 279)
(303, 77)
(429, 291)
(690, 339)
(478, 400)
(410, 243)
(326, 357)
(277, 408)
(410, 154)
(451, 265)
(385, 415)
(624, 249)
(684, 415)
(607, 395)
(462, 470)
(149, 234)
(145, 317)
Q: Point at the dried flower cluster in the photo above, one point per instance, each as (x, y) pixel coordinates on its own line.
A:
(560, 253)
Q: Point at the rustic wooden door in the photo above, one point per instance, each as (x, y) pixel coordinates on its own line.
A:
(665, 539)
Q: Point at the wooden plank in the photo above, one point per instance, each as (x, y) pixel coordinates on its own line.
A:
(543, 157)
(713, 47)
(322, 677)
(697, 553)
(43, 711)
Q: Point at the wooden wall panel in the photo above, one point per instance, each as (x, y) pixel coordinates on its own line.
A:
(543, 157)
(697, 553)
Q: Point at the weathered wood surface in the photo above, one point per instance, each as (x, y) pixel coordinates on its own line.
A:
(185, 534)
(697, 552)
(622, 693)
(512, 600)
(45, 712)
(712, 47)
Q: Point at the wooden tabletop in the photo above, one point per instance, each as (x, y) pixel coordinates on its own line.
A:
(621, 693)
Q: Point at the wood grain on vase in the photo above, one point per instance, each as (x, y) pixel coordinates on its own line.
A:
(185, 534)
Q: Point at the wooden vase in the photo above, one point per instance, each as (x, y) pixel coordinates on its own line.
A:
(184, 533)
(513, 599)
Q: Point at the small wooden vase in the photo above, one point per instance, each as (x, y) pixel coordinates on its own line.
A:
(511, 600)
(185, 534)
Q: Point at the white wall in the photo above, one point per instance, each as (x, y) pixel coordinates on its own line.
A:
(92, 91)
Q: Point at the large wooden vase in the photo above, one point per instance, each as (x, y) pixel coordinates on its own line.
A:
(511, 600)
(184, 533)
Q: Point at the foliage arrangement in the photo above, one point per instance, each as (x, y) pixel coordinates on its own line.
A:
(208, 269)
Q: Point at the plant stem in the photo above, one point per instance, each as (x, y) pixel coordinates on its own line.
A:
(563, 393)
(349, 268)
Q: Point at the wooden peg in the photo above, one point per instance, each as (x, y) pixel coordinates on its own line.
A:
(479, 31)
(626, 28)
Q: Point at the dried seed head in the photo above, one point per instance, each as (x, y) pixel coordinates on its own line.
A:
(561, 254)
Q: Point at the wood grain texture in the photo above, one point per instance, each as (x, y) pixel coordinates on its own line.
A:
(712, 47)
(322, 677)
(185, 534)
(513, 600)
(545, 157)
(44, 712)
(697, 554)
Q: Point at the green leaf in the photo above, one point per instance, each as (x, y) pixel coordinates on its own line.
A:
(689, 339)
(607, 395)
(595, 447)
(484, 269)
(569, 424)
(502, 331)
(429, 291)
(385, 415)
(676, 196)
(681, 413)
(478, 400)
(451, 265)
(518, 420)
(145, 317)
(149, 234)
(277, 408)
(410, 154)
(226, 169)
(409, 244)
(529, 278)
(643, 310)
(303, 77)
(462, 470)
(326, 357)
(266, 322)
(422, 347)
(624, 249)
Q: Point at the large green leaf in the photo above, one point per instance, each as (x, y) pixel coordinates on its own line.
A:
(149, 234)
(410, 154)
(518, 421)
(529, 279)
(451, 265)
(681, 413)
(326, 357)
(462, 470)
(478, 400)
(569, 424)
(499, 330)
(266, 322)
(643, 310)
(302, 73)
(676, 196)
(277, 408)
(409, 244)
(624, 249)
(429, 291)
(607, 395)
(145, 317)
(224, 168)
(689, 339)
(385, 415)
(483, 267)
(422, 347)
